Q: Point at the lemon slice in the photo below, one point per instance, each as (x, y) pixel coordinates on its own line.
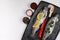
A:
(40, 15)
(36, 24)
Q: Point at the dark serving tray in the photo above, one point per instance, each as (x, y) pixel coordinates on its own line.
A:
(27, 33)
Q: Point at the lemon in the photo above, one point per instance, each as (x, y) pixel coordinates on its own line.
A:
(36, 24)
(40, 15)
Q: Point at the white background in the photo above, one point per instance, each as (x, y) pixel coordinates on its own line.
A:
(11, 14)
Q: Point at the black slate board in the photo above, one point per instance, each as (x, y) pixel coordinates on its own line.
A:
(27, 33)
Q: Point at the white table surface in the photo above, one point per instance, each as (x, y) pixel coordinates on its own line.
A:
(11, 14)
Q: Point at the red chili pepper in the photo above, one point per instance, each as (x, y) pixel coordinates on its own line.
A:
(40, 32)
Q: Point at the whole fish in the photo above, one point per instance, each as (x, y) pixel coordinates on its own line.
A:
(50, 25)
(39, 20)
